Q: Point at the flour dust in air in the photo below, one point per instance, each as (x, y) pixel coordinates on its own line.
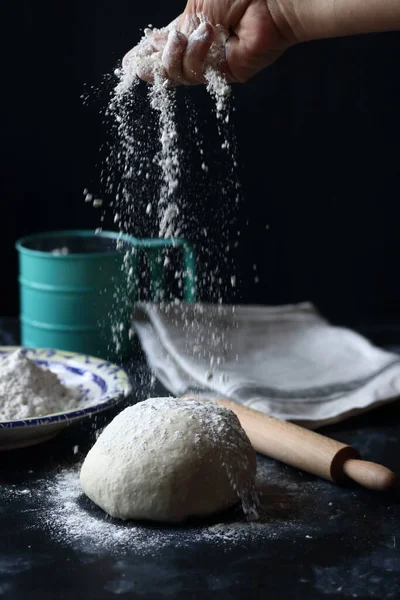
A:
(145, 60)
(162, 177)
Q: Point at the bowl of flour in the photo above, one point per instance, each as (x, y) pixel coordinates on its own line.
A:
(42, 391)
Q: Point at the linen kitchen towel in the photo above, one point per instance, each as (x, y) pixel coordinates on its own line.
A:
(287, 361)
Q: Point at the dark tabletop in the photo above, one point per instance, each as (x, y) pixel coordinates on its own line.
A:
(315, 540)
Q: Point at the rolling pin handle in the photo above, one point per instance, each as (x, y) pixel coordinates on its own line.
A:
(370, 475)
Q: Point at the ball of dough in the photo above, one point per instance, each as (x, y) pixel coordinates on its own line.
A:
(166, 460)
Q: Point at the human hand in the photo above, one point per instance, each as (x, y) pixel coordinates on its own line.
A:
(253, 41)
(258, 32)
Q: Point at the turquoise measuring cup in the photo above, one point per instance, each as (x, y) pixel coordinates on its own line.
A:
(77, 288)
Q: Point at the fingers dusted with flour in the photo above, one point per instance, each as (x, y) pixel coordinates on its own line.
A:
(258, 32)
(183, 54)
(139, 63)
(172, 56)
(234, 37)
(194, 58)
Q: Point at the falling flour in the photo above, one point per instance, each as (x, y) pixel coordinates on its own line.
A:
(151, 190)
(28, 390)
(144, 59)
(59, 508)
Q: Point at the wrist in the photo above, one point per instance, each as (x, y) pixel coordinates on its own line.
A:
(303, 20)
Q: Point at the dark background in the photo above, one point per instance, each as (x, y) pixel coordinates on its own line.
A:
(319, 149)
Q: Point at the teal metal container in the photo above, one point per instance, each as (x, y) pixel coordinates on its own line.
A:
(77, 288)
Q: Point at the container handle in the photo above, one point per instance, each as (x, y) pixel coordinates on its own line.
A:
(153, 248)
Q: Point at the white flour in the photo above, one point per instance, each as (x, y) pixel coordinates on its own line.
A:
(143, 58)
(27, 390)
(153, 189)
(60, 251)
(167, 158)
(62, 510)
(68, 519)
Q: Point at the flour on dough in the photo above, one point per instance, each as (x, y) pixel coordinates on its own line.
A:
(167, 460)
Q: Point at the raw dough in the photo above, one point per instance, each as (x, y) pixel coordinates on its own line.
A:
(166, 460)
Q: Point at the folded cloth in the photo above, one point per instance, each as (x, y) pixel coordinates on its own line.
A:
(286, 361)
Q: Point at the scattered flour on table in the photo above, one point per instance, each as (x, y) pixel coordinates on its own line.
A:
(28, 390)
(69, 520)
(62, 511)
(72, 519)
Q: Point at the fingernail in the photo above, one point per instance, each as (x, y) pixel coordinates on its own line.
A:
(202, 31)
(202, 28)
(148, 32)
(176, 36)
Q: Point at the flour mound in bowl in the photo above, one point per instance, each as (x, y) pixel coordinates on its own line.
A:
(167, 460)
(27, 390)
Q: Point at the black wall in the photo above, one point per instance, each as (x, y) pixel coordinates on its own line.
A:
(319, 147)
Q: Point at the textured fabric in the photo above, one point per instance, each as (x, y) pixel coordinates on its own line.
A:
(286, 361)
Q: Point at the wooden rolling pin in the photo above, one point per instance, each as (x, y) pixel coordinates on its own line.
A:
(309, 451)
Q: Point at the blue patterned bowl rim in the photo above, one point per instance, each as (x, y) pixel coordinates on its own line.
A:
(122, 385)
